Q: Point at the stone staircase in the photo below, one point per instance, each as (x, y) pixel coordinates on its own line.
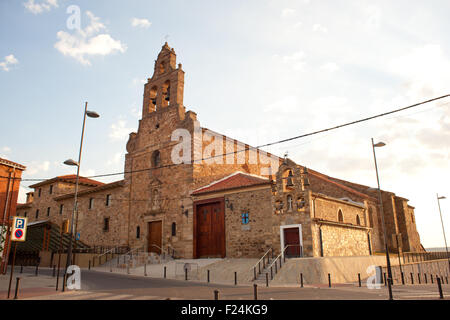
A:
(136, 258)
(261, 277)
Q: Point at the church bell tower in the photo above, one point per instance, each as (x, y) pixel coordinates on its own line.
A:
(165, 87)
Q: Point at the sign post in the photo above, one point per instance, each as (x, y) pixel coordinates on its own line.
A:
(18, 234)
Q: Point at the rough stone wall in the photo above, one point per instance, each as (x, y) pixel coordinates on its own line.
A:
(407, 226)
(157, 193)
(343, 241)
(250, 240)
(46, 200)
(373, 219)
(392, 218)
(91, 221)
(327, 209)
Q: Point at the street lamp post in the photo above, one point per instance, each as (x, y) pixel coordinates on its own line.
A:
(71, 162)
(443, 231)
(388, 262)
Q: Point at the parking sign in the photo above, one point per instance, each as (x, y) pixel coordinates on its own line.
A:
(19, 229)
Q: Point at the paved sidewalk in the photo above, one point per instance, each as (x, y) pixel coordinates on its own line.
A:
(30, 284)
(107, 286)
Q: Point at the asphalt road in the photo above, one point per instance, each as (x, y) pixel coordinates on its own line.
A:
(109, 286)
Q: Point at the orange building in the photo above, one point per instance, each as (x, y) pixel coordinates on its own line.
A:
(10, 175)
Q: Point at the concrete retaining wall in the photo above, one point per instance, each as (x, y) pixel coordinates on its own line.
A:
(315, 270)
(80, 259)
(429, 268)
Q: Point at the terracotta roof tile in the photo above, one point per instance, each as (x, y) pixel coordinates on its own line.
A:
(70, 178)
(12, 164)
(236, 180)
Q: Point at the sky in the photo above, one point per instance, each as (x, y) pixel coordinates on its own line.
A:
(257, 71)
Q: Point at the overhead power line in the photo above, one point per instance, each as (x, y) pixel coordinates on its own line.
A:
(264, 145)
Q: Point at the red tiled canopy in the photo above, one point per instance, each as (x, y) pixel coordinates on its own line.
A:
(236, 180)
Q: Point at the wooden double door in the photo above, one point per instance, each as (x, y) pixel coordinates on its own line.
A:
(210, 230)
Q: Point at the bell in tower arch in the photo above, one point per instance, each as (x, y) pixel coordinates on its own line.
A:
(168, 94)
(289, 180)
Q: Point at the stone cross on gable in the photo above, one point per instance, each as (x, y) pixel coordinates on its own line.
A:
(289, 199)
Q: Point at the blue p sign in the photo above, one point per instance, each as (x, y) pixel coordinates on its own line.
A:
(20, 223)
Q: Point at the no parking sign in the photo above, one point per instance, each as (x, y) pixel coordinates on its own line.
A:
(19, 229)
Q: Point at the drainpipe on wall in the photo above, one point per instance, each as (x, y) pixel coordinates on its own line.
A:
(129, 204)
(321, 242)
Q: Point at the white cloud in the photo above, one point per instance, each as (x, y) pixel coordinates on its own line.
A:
(373, 16)
(288, 104)
(6, 149)
(36, 167)
(287, 12)
(319, 28)
(8, 61)
(329, 67)
(141, 23)
(297, 60)
(119, 131)
(115, 160)
(87, 172)
(83, 43)
(424, 70)
(37, 8)
(4, 152)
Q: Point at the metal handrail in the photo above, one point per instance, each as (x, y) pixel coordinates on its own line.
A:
(99, 257)
(113, 249)
(173, 250)
(282, 254)
(259, 263)
(163, 251)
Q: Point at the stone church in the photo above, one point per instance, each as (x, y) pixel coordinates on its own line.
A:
(195, 192)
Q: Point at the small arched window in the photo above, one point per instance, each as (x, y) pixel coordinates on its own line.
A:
(358, 220)
(156, 159)
(340, 216)
(138, 232)
(174, 229)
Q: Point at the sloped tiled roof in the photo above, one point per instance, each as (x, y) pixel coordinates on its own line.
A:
(102, 187)
(72, 178)
(12, 164)
(340, 185)
(234, 181)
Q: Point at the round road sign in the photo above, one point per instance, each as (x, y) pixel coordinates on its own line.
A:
(18, 234)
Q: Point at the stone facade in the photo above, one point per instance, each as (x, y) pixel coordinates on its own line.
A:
(171, 157)
(53, 200)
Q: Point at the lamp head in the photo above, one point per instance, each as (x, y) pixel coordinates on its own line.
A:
(71, 162)
(92, 114)
(379, 144)
(442, 197)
